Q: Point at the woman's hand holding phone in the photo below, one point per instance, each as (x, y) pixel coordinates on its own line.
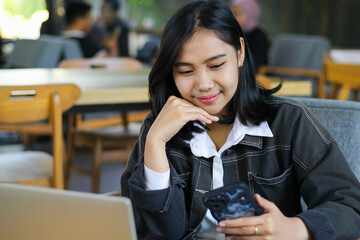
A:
(270, 225)
(173, 116)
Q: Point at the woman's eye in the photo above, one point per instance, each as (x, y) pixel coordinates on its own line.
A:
(185, 72)
(217, 65)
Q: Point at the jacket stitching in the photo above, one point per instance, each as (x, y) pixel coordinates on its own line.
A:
(193, 198)
(301, 164)
(252, 154)
(272, 181)
(327, 141)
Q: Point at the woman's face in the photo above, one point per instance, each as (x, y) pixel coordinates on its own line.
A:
(206, 71)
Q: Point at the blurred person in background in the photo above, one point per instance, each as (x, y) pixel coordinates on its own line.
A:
(2, 59)
(78, 26)
(109, 24)
(55, 24)
(247, 13)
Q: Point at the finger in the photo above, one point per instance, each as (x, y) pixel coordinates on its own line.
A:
(265, 204)
(243, 237)
(175, 101)
(241, 222)
(189, 112)
(247, 230)
(200, 114)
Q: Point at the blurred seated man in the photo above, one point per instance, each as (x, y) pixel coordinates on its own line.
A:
(113, 25)
(78, 26)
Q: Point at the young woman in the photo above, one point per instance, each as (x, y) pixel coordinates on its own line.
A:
(211, 125)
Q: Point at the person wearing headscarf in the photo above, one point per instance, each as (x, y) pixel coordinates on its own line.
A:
(248, 13)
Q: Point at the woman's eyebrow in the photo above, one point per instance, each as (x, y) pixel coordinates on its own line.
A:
(178, 64)
(215, 57)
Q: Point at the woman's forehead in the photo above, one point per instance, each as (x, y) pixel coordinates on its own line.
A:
(203, 42)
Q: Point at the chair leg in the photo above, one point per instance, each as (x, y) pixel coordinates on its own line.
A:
(97, 165)
(344, 93)
(356, 95)
(70, 150)
(334, 90)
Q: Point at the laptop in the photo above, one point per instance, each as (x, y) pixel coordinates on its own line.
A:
(35, 213)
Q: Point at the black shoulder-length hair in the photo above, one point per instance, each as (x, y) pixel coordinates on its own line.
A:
(249, 100)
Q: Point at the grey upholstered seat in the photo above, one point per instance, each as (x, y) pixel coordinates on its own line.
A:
(342, 119)
(45, 52)
(30, 53)
(70, 47)
(298, 51)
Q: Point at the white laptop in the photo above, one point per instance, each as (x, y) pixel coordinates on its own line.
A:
(34, 213)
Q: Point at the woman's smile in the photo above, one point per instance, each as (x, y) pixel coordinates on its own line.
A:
(209, 99)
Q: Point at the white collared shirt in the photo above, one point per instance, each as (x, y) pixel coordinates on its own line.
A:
(201, 145)
(74, 33)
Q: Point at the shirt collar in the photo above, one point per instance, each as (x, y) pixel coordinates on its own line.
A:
(74, 33)
(201, 144)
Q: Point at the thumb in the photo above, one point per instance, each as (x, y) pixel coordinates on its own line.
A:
(265, 204)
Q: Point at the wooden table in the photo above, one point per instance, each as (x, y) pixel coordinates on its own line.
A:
(108, 89)
(101, 89)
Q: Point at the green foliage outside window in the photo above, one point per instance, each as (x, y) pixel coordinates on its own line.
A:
(25, 8)
(157, 10)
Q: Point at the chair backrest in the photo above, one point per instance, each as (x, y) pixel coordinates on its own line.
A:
(298, 51)
(341, 118)
(113, 63)
(22, 108)
(263, 81)
(29, 53)
(347, 76)
(70, 47)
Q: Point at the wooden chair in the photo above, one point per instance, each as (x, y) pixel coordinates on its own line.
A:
(297, 72)
(23, 108)
(110, 138)
(344, 78)
(263, 81)
(298, 56)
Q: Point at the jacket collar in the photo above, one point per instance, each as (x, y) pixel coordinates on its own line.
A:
(254, 141)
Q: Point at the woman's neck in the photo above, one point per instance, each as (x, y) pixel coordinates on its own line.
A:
(219, 133)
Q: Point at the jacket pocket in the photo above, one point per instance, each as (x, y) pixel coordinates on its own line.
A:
(281, 190)
(271, 181)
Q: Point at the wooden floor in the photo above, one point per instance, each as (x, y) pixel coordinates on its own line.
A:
(110, 172)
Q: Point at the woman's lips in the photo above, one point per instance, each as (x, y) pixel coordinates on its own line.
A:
(208, 100)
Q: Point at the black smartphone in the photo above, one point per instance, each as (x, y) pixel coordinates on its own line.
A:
(232, 201)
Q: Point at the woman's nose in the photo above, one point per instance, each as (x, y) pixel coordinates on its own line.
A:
(204, 82)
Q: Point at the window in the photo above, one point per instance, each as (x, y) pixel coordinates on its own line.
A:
(22, 18)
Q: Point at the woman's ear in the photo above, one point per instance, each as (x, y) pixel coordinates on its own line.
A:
(241, 53)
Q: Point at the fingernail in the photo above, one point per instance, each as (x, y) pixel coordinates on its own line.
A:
(221, 224)
(216, 118)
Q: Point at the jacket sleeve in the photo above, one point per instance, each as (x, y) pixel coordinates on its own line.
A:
(159, 212)
(327, 184)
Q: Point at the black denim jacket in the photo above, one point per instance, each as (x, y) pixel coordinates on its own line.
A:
(301, 160)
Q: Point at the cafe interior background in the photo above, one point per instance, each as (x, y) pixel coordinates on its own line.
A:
(335, 20)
